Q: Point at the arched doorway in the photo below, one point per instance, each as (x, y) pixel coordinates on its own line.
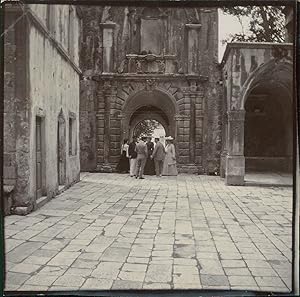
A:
(149, 105)
(268, 137)
(150, 128)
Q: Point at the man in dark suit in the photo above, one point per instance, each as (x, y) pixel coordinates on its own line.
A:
(132, 156)
(158, 155)
(142, 153)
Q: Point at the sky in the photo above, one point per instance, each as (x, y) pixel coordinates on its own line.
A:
(228, 25)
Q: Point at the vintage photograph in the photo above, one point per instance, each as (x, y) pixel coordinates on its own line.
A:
(148, 147)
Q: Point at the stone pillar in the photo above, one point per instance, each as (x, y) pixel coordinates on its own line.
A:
(235, 160)
(103, 129)
(108, 47)
(224, 150)
(192, 128)
(182, 138)
(192, 47)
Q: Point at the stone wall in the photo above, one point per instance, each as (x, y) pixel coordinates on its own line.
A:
(41, 80)
(256, 76)
(180, 62)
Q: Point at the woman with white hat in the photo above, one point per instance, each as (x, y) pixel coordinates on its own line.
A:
(169, 167)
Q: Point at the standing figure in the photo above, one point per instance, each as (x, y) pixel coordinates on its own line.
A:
(123, 165)
(142, 154)
(149, 167)
(158, 155)
(132, 156)
(169, 167)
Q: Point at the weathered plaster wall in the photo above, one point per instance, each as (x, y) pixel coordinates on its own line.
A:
(64, 18)
(47, 69)
(16, 130)
(41, 78)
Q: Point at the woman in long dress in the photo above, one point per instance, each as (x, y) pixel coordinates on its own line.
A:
(149, 166)
(123, 165)
(170, 167)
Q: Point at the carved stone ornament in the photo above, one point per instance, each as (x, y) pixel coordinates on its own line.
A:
(138, 65)
(123, 66)
(193, 86)
(151, 84)
(161, 66)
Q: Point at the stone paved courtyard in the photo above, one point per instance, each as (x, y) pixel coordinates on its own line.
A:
(111, 231)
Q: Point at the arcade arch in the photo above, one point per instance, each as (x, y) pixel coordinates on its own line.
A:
(260, 130)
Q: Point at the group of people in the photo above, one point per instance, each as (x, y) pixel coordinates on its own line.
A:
(145, 157)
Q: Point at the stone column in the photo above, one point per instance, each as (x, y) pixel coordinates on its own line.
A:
(192, 47)
(224, 144)
(235, 160)
(103, 129)
(108, 47)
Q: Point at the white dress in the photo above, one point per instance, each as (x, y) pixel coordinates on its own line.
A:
(170, 167)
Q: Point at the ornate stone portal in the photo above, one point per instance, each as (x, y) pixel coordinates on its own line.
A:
(159, 63)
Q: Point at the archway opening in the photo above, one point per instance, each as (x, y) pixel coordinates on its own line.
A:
(268, 129)
(150, 128)
(149, 121)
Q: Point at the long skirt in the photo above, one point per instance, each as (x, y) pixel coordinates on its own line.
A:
(149, 167)
(123, 165)
(169, 167)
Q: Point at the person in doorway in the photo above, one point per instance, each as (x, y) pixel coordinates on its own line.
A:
(158, 155)
(142, 154)
(123, 165)
(149, 167)
(169, 167)
(132, 156)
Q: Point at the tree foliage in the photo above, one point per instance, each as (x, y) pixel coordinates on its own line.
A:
(266, 23)
(146, 128)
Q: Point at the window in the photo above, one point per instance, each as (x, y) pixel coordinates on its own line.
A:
(72, 135)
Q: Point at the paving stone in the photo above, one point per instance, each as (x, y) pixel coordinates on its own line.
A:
(22, 251)
(126, 285)
(262, 271)
(185, 261)
(107, 270)
(157, 286)
(134, 267)
(137, 260)
(53, 270)
(42, 279)
(69, 280)
(186, 286)
(79, 272)
(158, 273)
(269, 281)
(211, 267)
(132, 276)
(237, 271)
(25, 268)
(14, 278)
(159, 234)
(33, 288)
(11, 243)
(241, 280)
(233, 263)
(215, 280)
(258, 263)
